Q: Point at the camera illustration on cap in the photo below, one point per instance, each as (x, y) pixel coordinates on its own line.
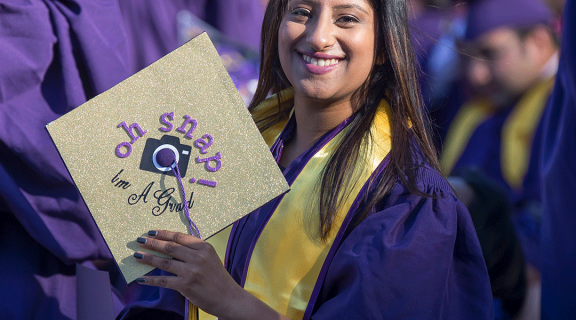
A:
(153, 146)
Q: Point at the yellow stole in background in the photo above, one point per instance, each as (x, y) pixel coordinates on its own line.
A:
(470, 116)
(518, 133)
(516, 136)
(288, 256)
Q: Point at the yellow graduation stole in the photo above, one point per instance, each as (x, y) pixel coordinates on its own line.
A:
(518, 133)
(470, 116)
(516, 136)
(288, 256)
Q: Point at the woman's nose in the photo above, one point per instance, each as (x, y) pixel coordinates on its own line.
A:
(321, 32)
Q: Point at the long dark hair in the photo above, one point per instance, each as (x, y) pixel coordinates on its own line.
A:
(395, 80)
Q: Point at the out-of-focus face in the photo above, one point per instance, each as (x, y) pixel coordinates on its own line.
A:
(503, 65)
(326, 47)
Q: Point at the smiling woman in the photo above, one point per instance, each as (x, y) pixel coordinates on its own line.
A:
(370, 228)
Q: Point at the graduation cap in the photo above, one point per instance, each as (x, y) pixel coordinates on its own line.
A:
(172, 147)
(485, 15)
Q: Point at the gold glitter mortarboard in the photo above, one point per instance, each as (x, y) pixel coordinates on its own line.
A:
(185, 102)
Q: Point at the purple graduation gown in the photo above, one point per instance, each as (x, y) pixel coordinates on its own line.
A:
(483, 152)
(558, 169)
(413, 257)
(152, 25)
(55, 56)
(483, 148)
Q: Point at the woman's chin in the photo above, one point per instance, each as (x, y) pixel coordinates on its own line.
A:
(320, 94)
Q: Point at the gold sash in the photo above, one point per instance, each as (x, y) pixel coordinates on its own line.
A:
(288, 256)
(516, 135)
(463, 126)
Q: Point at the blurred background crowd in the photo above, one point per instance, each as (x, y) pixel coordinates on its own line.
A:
(498, 79)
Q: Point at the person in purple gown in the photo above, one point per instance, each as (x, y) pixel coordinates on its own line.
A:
(511, 65)
(55, 55)
(558, 176)
(370, 229)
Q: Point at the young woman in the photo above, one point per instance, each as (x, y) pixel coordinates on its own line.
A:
(370, 229)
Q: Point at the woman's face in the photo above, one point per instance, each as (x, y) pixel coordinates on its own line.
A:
(326, 47)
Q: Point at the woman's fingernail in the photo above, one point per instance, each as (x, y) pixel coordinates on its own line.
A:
(140, 280)
(152, 233)
(138, 255)
(141, 240)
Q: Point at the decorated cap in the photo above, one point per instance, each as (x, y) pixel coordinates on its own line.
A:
(173, 147)
(485, 15)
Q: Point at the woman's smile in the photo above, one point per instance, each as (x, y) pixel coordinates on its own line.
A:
(318, 63)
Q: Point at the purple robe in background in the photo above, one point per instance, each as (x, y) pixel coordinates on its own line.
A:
(152, 25)
(483, 150)
(55, 55)
(483, 153)
(434, 35)
(240, 20)
(413, 257)
(558, 167)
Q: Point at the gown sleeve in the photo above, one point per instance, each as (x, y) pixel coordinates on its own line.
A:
(415, 257)
(54, 55)
(558, 174)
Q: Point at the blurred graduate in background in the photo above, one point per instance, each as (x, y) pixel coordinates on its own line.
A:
(511, 58)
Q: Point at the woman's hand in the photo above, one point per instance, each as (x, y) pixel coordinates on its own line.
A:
(200, 276)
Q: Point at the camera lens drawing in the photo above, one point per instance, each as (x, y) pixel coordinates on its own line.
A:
(153, 146)
(162, 147)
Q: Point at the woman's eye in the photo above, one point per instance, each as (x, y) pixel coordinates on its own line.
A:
(300, 12)
(347, 20)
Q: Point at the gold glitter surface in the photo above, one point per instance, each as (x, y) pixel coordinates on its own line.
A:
(121, 197)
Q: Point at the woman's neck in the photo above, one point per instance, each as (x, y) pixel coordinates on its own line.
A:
(313, 120)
